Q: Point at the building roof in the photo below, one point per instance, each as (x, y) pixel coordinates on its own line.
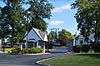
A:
(42, 34)
(36, 35)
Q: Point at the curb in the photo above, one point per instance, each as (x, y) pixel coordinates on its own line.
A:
(38, 62)
(37, 54)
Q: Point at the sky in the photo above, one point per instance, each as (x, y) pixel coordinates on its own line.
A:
(62, 16)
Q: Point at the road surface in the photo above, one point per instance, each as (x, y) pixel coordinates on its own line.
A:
(27, 60)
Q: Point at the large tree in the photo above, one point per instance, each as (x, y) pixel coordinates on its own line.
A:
(38, 10)
(11, 15)
(52, 36)
(65, 35)
(88, 17)
(39, 23)
(20, 20)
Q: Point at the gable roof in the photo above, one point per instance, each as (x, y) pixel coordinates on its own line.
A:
(42, 34)
(39, 34)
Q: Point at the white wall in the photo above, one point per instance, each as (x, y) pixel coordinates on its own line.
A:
(91, 37)
(32, 35)
(45, 38)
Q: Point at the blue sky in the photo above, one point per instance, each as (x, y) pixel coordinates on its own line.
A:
(62, 16)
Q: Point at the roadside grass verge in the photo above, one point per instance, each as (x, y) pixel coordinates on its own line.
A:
(74, 60)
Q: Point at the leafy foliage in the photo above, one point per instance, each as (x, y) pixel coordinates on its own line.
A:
(52, 35)
(65, 35)
(15, 20)
(15, 50)
(87, 17)
(96, 48)
(40, 8)
(32, 50)
(85, 48)
(76, 48)
(39, 24)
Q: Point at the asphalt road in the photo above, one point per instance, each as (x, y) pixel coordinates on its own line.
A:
(27, 60)
(21, 60)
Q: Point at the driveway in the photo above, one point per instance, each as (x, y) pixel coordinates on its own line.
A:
(59, 50)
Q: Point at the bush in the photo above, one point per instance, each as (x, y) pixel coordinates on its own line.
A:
(36, 50)
(8, 50)
(85, 48)
(15, 50)
(32, 50)
(76, 48)
(25, 50)
(96, 47)
(49, 46)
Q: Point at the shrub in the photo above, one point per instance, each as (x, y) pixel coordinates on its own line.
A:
(25, 50)
(15, 50)
(32, 50)
(49, 46)
(8, 50)
(76, 48)
(85, 48)
(96, 47)
(36, 50)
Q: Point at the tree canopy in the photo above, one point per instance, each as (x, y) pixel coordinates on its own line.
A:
(52, 35)
(65, 35)
(88, 17)
(16, 20)
(39, 24)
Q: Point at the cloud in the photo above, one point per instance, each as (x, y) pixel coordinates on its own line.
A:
(62, 8)
(56, 22)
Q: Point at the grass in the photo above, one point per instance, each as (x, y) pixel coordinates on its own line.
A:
(75, 60)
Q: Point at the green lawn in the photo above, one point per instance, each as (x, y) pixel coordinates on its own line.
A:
(75, 60)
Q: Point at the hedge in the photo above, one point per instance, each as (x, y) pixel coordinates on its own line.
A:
(76, 48)
(85, 48)
(96, 47)
(32, 50)
(17, 50)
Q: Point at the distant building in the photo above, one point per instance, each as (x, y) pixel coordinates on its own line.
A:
(80, 39)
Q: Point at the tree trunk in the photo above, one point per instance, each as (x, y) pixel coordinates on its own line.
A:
(2, 45)
(97, 32)
(12, 36)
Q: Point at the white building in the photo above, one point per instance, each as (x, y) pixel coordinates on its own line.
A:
(36, 37)
(80, 39)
